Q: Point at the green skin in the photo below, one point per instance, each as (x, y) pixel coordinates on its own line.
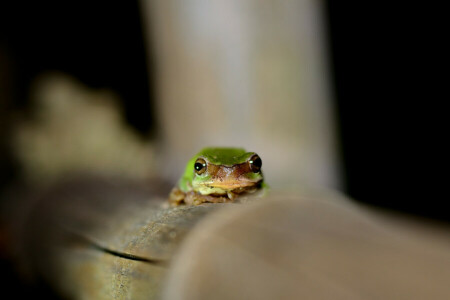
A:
(227, 184)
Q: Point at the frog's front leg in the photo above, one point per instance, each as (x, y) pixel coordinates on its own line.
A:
(176, 197)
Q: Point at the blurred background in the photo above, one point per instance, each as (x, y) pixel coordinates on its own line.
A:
(334, 95)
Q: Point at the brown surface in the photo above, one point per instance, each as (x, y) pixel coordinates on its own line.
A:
(100, 239)
(94, 239)
(308, 247)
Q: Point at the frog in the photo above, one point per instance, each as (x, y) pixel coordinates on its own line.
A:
(219, 175)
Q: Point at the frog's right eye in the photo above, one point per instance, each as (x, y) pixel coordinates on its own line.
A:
(200, 166)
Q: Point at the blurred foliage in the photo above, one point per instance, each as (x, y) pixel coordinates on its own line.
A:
(77, 129)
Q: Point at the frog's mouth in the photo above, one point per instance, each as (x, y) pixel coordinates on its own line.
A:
(233, 184)
(227, 186)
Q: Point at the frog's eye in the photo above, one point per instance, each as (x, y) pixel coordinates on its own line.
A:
(255, 163)
(200, 166)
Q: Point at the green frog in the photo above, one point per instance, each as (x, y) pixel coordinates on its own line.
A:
(218, 175)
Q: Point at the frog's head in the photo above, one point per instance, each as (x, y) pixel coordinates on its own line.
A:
(222, 170)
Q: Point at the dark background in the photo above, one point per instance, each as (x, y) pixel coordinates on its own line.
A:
(384, 62)
(388, 67)
(385, 65)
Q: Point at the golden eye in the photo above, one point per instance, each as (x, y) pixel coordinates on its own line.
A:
(255, 163)
(200, 166)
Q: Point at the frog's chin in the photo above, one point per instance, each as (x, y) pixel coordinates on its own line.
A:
(223, 188)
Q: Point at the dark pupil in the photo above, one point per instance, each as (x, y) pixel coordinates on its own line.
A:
(198, 166)
(257, 162)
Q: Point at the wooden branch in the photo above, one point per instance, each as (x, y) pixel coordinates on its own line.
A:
(92, 239)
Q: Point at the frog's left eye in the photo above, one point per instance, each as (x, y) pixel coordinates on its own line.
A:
(255, 163)
(200, 166)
